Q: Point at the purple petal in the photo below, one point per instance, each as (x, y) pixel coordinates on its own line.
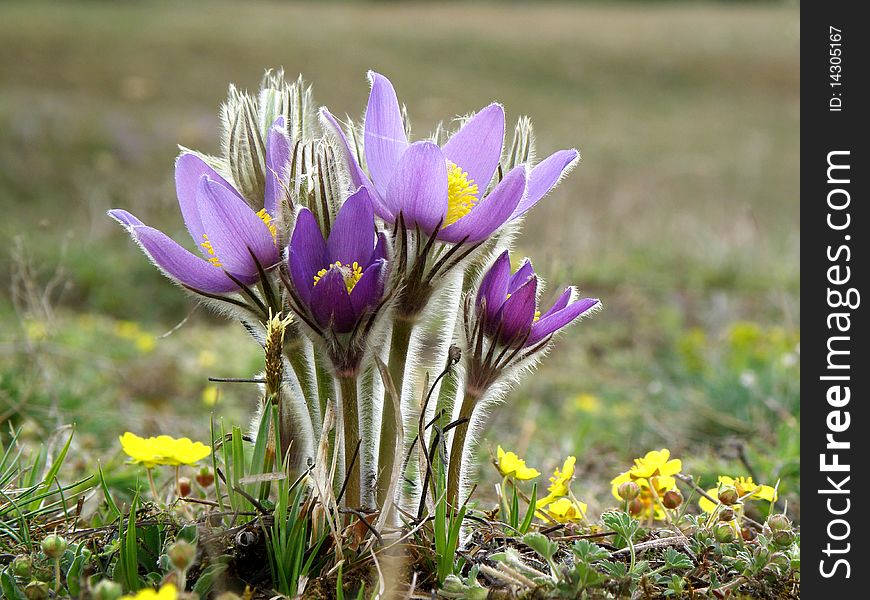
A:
(380, 251)
(353, 234)
(560, 303)
(277, 165)
(491, 212)
(175, 261)
(233, 228)
(358, 178)
(518, 312)
(556, 320)
(545, 176)
(494, 285)
(189, 169)
(476, 148)
(418, 188)
(330, 302)
(385, 139)
(521, 276)
(307, 253)
(369, 289)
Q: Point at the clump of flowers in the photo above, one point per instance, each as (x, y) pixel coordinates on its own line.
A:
(166, 592)
(653, 476)
(370, 245)
(560, 504)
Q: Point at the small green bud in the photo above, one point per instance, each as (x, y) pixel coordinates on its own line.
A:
(36, 590)
(726, 514)
(728, 495)
(22, 566)
(723, 532)
(783, 538)
(778, 522)
(628, 491)
(106, 590)
(53, 546)
(181, 554)
(635, 507)
(672, 499)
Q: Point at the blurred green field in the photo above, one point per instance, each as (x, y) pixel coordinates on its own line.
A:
(682, 216)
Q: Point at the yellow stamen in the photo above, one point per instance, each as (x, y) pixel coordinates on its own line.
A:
(267, 219)
(208, 248)
(352, 274)
(461, 193)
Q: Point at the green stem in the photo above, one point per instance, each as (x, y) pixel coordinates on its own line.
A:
(402, 329)
(350, 416)
(459, 433)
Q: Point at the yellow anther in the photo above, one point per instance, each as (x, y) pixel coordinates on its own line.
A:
(351, 273)
(210, 250)
(267, 219)
(461, 193)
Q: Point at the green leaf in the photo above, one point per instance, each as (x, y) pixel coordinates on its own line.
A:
(10, 589)
(588, 552)
(216, 568)
(677, 560)
(541, 544)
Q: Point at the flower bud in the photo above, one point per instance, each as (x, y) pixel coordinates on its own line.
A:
(748, 534)
(723, 532)
(783, 538)
(778, 522)
(181, 554)
(726, 514)
(183, 487)
(205, 477)
(106, 590)
(628, 491)
(672, 499)
(53, 546)
(22, 566)
(635, 507)
(36, 590)
(728, 495)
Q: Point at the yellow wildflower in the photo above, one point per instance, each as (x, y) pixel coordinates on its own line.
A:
(654, 464)
(511, 465)
(560, 482)
(744, 486)
(566, 510)
(163, 450)
(166, 592)
(210, 394)
(587, 403)
(645, 504)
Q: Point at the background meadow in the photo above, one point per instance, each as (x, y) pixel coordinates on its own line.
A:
(682, 216)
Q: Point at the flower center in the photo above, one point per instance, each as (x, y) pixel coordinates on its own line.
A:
(264, 216)
(210, 250)
(461, 193)
(351, 273)
(267, 219)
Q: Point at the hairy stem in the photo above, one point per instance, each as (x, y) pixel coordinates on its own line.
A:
(454, 470)
(401, 338)
(350, 416)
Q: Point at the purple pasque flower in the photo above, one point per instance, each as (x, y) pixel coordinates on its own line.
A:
(507, 305)
(236, 243)
(341, 279)
(443, 188)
